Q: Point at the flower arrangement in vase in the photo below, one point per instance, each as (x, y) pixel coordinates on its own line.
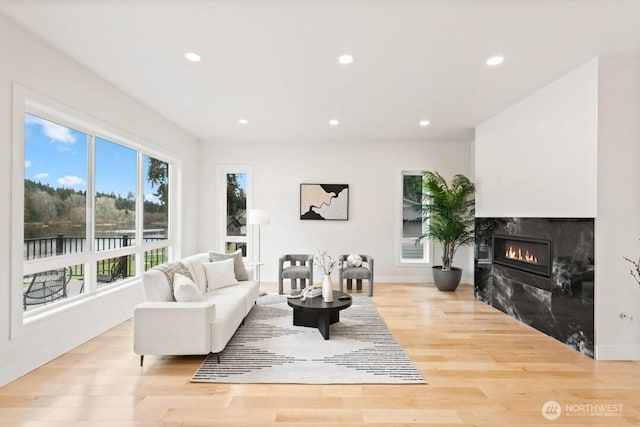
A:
(327, 263)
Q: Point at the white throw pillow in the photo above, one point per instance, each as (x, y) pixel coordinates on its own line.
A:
(185, 290)
(354, 260)
(238, 264)
(219, 274)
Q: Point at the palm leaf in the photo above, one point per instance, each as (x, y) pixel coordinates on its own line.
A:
(449, 209)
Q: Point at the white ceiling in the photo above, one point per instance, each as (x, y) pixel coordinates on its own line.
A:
(274, 62)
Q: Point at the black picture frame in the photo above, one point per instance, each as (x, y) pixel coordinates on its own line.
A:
(324, 202)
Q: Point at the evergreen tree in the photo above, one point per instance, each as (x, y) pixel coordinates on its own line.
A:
(158, 176)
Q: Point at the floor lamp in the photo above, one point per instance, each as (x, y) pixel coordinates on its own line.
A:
(258, 217)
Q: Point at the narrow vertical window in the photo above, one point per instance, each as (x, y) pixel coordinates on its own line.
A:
(412, 223)
(236, 213)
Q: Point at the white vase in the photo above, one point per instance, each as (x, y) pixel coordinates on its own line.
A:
(327, 289)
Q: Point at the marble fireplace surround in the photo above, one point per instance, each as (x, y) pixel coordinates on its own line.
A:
(557, 299)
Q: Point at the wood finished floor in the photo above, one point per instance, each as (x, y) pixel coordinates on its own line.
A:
(482, 367)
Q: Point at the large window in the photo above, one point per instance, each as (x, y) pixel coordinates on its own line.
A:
(96, 210)
(412, 226)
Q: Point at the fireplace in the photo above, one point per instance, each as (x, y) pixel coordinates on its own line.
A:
(530, 254)
(539, 271)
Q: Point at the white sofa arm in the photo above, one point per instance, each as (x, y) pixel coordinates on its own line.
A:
(173, 328)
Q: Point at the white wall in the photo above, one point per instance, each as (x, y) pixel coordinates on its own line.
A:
(538, 158)
(370, 168)
(26, 60)
(618, 221)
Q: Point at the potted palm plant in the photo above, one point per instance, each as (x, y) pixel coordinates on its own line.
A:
(448, 209)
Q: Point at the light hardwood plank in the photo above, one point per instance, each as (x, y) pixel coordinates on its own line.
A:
(482, 367)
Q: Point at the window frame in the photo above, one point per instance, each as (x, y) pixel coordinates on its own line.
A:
(222, 172)
(26, 101)
(427, 256)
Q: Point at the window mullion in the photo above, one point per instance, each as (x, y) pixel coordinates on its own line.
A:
(91, 192)
(90, 267)
(139, 220)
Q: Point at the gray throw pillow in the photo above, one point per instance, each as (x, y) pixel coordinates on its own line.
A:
(238, 264)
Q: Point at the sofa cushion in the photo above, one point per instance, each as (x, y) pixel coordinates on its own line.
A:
(238, 265)
(296, 272)
(357, 273)
(185, 290)
(219, 274)
(229, 315)
(247, 291)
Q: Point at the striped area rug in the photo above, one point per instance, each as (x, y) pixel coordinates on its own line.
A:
(269, 349)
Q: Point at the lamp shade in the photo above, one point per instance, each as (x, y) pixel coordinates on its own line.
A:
(258, 217)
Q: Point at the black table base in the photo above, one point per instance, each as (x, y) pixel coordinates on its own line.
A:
(315, 313)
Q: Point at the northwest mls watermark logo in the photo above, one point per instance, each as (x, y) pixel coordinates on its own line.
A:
(552, 410)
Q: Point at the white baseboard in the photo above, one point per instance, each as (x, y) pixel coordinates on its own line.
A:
(618, 352)
(385, 279)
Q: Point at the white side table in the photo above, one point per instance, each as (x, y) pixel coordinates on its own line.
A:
(256, 271)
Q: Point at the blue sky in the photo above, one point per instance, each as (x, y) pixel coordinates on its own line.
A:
(57, 156)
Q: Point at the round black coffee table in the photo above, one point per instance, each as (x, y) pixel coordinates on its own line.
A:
(315, 313)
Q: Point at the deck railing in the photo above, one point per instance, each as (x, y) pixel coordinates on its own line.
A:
(60, 244)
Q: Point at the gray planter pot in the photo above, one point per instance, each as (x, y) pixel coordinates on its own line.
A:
(446, 280)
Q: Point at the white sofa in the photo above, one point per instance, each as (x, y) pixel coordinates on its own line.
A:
(164, 326)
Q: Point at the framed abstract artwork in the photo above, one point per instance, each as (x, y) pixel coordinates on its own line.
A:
(324, 201)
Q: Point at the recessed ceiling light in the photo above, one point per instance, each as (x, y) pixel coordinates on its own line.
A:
(334, 122)
(243, 121)
(495, 60)
(345, 59)
(424, 123)
(193, 57)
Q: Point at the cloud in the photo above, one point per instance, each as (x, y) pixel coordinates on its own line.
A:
(54, 131)
(70, 181)
(41, 175)
(150, 197)
(27, 163)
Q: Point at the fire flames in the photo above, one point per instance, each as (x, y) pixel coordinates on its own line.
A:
(517, 255)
